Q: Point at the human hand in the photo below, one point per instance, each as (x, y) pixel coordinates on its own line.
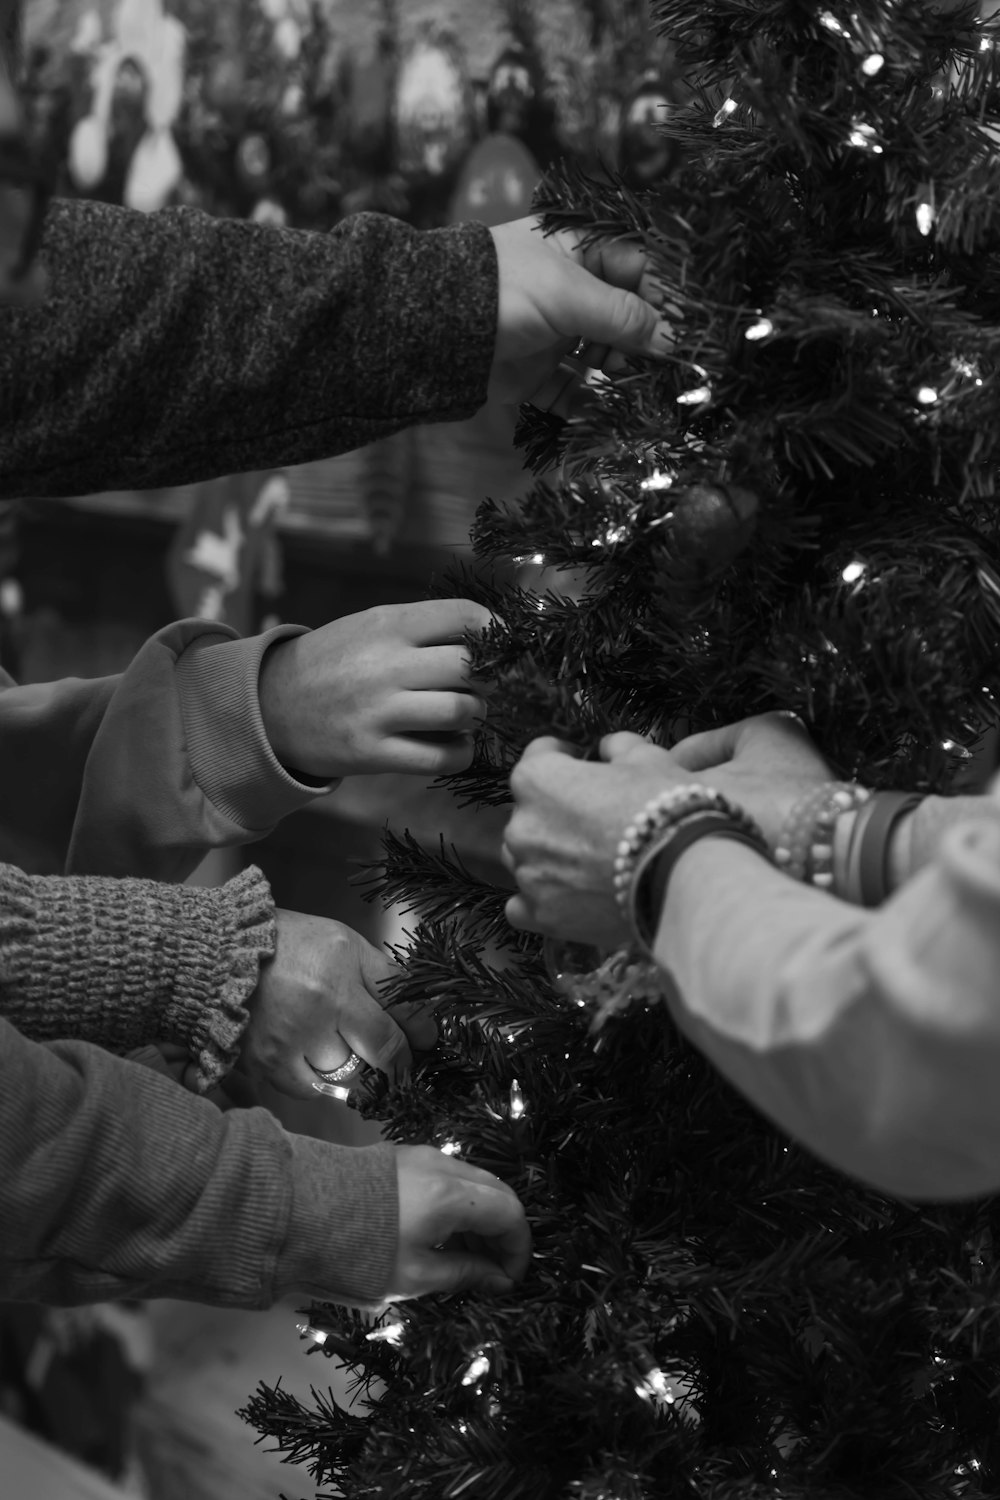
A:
(569, 816)
(317, 1001)
(765, 764)
(441, 1197)
(384, 690)
(553, 294)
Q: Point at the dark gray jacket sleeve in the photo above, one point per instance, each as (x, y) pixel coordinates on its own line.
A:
(116, 1182)
(175, 347)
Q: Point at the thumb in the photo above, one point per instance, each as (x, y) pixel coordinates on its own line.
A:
(699, 752)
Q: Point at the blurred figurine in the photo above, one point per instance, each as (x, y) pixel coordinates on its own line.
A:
(645, 153)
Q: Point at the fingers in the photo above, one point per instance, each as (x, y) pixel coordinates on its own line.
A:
(519, 914)
(434, 755)
(440, 667)
(699, 752)
(436, 622)
(616, 746)
(490, 1209)
(604, 314)
(430, 712)
(547, 744)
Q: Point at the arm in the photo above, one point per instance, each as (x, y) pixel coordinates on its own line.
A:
(175, 347)
(873, 1037)
(116, 1183)
(141, 774)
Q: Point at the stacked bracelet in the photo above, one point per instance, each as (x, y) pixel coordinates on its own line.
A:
(805, 845)
(654, 840)
(867, 881)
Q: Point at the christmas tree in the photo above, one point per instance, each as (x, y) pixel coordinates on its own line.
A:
(796, 510)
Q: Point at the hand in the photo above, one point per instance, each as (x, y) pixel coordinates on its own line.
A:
(560, 843)
(764, 764)
(384, 690)
(553, 293)
(317, 1001)
(441, 1197)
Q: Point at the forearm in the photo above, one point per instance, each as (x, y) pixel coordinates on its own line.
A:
(174, 347)
(116, 1183)
(870, 1036)
(126, 962)
(917, 839)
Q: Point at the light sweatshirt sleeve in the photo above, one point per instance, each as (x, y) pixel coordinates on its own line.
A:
(174, 347)
(871, 1036)
(141, 774)
(117, 1183)
(123, 963)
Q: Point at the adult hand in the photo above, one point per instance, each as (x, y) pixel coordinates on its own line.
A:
(441, 1197)
(553, 294)
(560, 843)
(318, 1000)
(384, 690)
(765, 764)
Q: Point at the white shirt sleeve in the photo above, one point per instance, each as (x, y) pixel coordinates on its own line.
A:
(872, 1037)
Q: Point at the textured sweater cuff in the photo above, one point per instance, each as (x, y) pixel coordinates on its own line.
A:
(231, 756)
(125, 962)
(344, 1224)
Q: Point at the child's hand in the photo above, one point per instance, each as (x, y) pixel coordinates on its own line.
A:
(384, 690)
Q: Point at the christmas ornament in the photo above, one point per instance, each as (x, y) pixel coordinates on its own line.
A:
(706, 528)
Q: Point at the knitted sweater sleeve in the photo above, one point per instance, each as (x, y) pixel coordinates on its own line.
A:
(174, 347)
(123, 962)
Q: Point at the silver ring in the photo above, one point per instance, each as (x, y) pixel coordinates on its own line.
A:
(579, 348)
(337, 1075)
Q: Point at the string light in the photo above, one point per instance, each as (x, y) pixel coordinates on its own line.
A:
(853, 571)
(517, 1104)
(873, 64)
(477, 1369)
(927, 395)
(658, 480)
(829, 20)
(450, 1148)
(925, 217)
(863, 136)
(762, 329)
(697, 397)
(952, 747)
(389, 1333)
(725, 109)
(318, 1336)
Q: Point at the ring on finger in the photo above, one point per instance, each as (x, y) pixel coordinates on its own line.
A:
(337, 1075)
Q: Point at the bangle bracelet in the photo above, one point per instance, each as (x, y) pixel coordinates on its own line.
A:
(868, 859)
(652, 873)
(659, 814)
(805, 845)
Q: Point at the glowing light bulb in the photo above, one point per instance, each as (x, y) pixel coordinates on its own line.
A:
(925, 217)
(863, 137)
(725, 109)
(317, 1335)
(927, 395)
(873, 64)
(517, 1104)
(697, 397)
(853, 571)
(478, 1368)
(827, 19)
(658, 480)
(615, 534)
(537, 558)
(655, 1384)
(762, 329)
(450, 1148)
(389, 1333)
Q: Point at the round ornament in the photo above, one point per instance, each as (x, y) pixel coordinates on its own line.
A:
(707, 527)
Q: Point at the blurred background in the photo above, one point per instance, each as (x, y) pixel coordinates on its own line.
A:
(298, 113)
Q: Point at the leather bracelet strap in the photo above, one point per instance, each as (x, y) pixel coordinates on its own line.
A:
(874, 838)
(652, 876)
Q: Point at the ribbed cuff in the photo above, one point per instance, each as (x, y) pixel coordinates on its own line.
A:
(344, 1224)
(126, 962)
(231, 756)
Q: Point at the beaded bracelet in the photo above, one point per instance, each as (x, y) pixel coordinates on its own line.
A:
(659, 814)
(804, 849)
(656, 865)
